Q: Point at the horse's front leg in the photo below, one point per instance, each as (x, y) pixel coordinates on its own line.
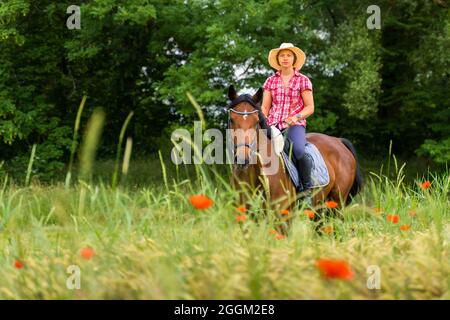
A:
(245, 183)
(282, 196)
(284, 212)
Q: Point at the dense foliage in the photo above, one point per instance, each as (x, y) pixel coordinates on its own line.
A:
(371, 86)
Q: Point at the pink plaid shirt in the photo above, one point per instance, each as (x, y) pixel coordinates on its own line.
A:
(286, 102)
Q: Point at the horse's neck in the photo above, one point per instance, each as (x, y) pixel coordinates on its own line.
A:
(265, 148)
(270, 163)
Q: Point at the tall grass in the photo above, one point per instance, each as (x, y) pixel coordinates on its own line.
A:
(119, 149)
(126, 158)
(90, 143)
(75, 140)
(30, 165)
(151, 243)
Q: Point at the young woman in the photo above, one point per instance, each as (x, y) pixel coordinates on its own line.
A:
(288, 101)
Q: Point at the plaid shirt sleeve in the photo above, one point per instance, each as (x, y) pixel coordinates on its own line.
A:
(305, 84)
(267, 83)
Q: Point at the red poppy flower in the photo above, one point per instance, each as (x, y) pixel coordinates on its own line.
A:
(425, 185)
(328, 229)
(334, 269)
(280, 236)
(201, 201)
(392, 218)
(309, 213)
(284, 212)
(377, 210)
(87, 253)
(241, 218)
(18, 264)
(331, 204)
(412, 213)
(241, 209)
(405, 227)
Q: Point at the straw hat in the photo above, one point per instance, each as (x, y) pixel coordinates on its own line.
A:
(301, 57)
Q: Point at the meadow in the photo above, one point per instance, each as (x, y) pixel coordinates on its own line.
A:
(151, 242)
(92, 217)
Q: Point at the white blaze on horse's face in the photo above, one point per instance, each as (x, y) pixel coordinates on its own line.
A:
(244, 135)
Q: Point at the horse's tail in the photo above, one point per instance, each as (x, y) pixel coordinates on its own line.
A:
(357, 183)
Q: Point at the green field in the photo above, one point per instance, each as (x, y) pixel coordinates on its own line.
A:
(94, 97)
(151, 243)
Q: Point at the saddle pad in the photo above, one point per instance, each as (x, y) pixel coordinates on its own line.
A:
(277, 140)
(319, 171)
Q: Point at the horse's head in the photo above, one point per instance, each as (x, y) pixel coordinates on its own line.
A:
(243, 119)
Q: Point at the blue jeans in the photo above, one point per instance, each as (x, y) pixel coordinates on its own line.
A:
(297, 134)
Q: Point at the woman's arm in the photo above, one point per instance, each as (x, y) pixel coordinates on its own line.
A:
(308, 102)
(308, 109)
(266, 103)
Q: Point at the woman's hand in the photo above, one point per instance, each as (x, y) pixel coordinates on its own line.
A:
(291, 120)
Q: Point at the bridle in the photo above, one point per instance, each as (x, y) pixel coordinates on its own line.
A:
(234, 103)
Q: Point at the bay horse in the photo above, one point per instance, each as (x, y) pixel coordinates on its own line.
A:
(279, 192)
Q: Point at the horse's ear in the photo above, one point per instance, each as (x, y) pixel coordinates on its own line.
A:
(257, 97)
(231, 93)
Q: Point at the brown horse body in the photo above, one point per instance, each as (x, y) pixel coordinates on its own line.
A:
(277, 187)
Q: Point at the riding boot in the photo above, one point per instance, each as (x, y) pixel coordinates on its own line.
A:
(304, 167)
